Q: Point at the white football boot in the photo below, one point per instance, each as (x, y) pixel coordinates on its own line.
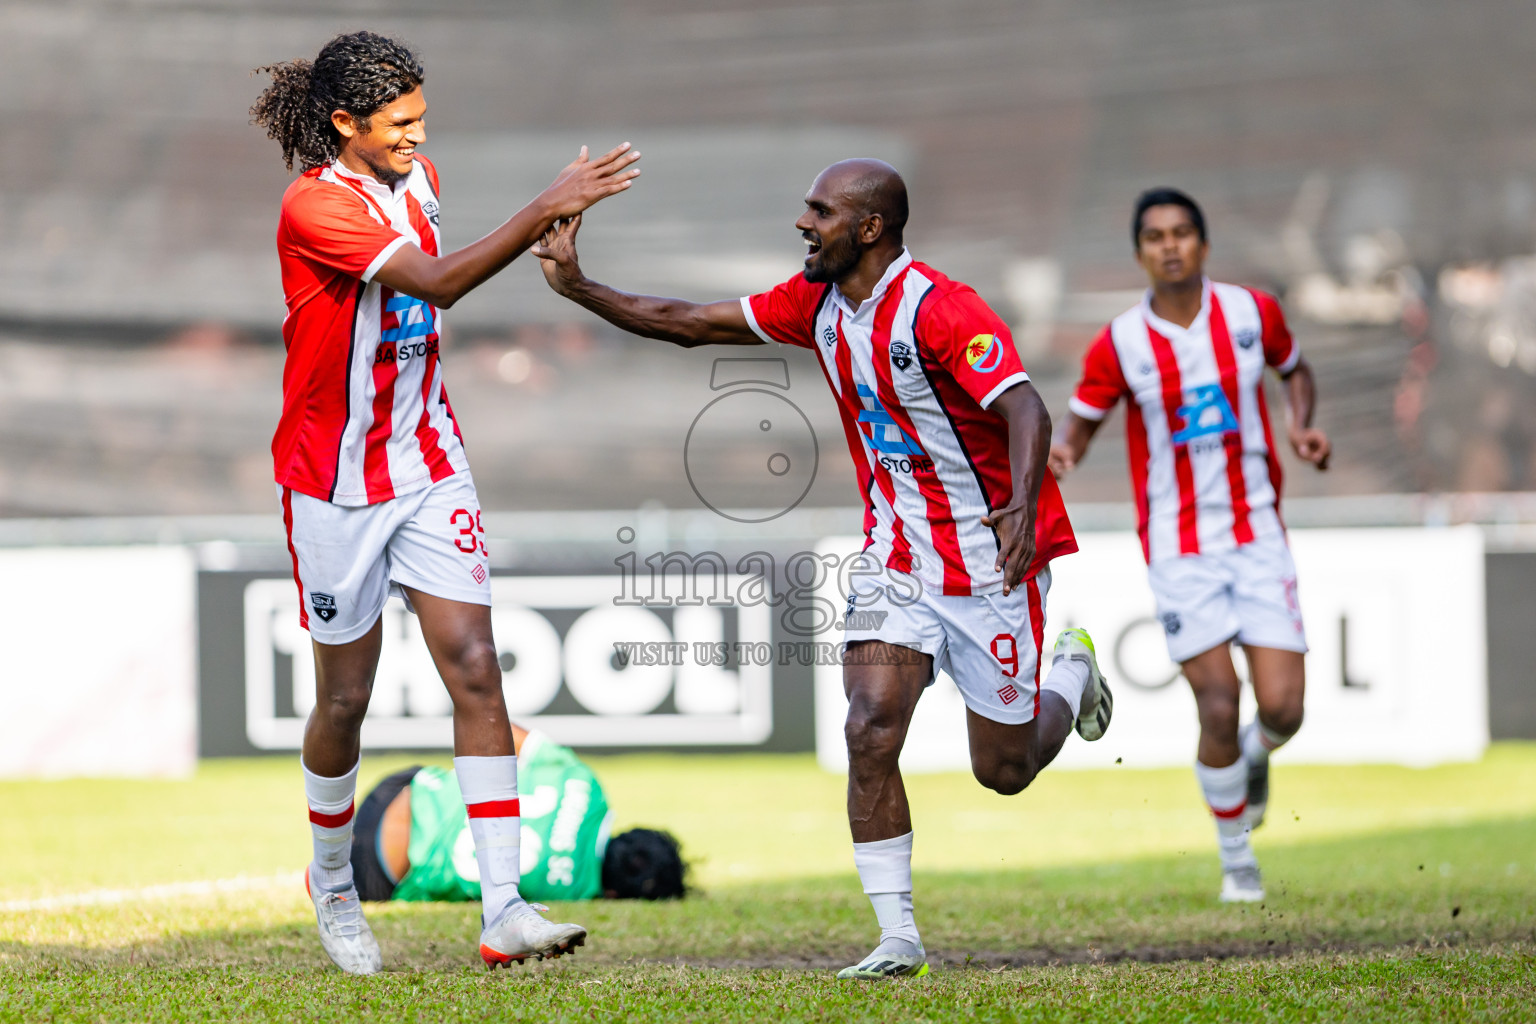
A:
(1242, 885)
(1098, 703)
(893, 958)
(520, 931)
(344, 933)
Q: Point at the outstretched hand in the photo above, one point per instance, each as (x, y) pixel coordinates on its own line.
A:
(585, 182)
(1061, 460)
(1015, 528)
(1312, 444)
(557, 255)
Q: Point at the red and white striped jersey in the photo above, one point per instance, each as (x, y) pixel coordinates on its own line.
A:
(1204, 470)
(365, 416)
(914, 369)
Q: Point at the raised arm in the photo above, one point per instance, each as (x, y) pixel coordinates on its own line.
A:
(1308, 442)
(443, 280)
(1029, 437)
(676, 320)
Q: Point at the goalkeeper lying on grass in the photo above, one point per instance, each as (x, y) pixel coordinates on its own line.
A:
(412, 839)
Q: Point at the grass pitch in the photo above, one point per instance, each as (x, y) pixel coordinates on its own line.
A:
(1394, 895)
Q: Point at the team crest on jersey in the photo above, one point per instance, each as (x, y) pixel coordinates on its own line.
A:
(430, 209)
(1172, 623)
(901, 354)
(828, 335)
(324, 605)
(1246, 337)
(1205, 411)
(984, 352)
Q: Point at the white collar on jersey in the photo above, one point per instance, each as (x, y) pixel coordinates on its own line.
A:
(379, 190)
(899, 264)
(1167, 327)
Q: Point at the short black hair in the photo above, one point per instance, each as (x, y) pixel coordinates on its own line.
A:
(645, 864)
(1163, 196)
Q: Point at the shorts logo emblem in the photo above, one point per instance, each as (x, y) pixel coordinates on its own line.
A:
(324, 605)
(1008, 694)
(478, 572)
(1172, 624)
(901, 354)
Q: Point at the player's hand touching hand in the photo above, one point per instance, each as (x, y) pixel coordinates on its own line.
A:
(557, 255)
(1015, 526)
(1312, 444)
(1060, 460)
(585, 182)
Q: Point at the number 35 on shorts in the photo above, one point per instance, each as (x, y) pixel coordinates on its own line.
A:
(471, 538)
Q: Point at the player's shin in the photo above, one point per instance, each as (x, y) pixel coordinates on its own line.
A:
(885, 870)
(330, 823)
(489, 785)
(1226, 793)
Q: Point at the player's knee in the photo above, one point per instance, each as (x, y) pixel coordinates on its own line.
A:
(873, 736)
(477, 674)
(1284, 720)
(344, 707)
(1004, 777)
(1218, 712)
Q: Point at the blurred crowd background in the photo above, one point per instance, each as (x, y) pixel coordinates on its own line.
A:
(1373, 162)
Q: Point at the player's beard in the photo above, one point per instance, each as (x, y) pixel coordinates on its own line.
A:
(385, 174)
(836, 258)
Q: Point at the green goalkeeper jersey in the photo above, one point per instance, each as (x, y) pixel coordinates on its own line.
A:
(565, 830)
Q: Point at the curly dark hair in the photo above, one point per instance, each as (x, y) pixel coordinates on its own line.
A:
(360, 73)
(645, 864)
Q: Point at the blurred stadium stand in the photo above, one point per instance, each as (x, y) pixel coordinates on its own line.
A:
(1373, 161)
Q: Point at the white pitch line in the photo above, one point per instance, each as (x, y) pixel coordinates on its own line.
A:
(169, 890)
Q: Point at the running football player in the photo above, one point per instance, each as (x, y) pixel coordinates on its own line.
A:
(413, 840)
(375, 489)
(1189, 361)
(950, 440)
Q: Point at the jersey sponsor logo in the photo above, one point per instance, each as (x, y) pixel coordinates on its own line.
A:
(324, 605)
(901, 354)
(882, 433)
(1246, 337)
(390, 352)
(1205, 411)
(984, 352)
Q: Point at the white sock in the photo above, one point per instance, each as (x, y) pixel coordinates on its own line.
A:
(885, 869)
(489, 785)
(330, 826)
(1226, 793)
(1258, 740)
(1067, 677)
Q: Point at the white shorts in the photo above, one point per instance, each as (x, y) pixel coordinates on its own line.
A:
(1247, 594)
(989, 645)
(348, 559)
